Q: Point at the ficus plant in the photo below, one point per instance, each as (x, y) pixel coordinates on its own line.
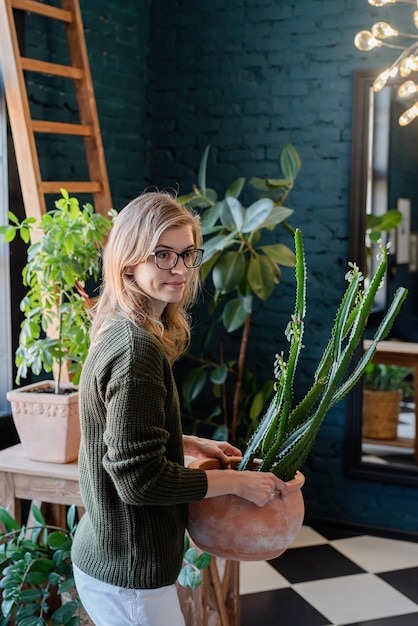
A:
(240, 266)
(64, 249)
(288, 430)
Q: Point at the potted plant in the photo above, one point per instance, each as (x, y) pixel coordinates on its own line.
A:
(243, 266)
(384, 386)
(64, 254)
(36, 573)
(36, 570)
(288, 431)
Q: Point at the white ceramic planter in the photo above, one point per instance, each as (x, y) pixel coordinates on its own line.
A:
(47, 424)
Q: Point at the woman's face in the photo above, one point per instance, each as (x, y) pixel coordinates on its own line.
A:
(164, 286)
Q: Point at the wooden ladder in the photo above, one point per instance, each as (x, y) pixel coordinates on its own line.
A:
(24, 128)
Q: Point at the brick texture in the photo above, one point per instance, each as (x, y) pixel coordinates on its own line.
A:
(246, 77)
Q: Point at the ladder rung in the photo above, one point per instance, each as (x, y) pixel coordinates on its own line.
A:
(42, 9)
(71, 187)
(34, 65)
(61, 128)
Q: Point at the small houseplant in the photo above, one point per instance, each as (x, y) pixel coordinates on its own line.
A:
(36, 569)
(287, 432)
(63, 255)
(384, 386)
(36, 575)
(243, 266)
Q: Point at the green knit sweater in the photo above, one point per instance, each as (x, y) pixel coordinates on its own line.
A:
(133, 483)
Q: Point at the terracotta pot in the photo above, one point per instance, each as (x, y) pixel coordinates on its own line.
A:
(47, 424)
(236, 529)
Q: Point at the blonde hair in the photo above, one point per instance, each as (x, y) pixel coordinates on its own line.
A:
(134, 235)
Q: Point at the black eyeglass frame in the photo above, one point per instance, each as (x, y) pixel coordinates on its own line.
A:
(199, 258)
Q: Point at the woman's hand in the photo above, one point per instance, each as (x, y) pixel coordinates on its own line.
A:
(201, 448)
(257, 487)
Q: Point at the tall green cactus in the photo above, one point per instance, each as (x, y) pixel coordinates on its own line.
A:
(287, 433)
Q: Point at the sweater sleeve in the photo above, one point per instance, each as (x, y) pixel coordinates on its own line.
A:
(143, 437)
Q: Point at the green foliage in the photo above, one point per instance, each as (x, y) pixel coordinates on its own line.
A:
(385, 377)
(194, 562)
(287, 433)
(35, 565)
(65, 252)
(376, 224)
(242, 267)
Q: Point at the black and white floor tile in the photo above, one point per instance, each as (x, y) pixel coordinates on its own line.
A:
(332, 577)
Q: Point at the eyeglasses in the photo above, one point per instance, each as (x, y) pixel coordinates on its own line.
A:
(167, 259)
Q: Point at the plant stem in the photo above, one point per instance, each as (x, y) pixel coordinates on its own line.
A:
(59, 368)
(240, 374)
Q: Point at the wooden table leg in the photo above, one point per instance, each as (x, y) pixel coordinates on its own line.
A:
(7, 496)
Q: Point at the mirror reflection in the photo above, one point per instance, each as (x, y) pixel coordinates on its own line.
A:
(384, 204)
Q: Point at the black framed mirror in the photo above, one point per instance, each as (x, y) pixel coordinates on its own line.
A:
(384, 164)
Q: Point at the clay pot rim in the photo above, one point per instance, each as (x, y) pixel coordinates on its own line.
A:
(212, 463)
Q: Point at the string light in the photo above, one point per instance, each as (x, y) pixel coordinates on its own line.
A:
(405, 63)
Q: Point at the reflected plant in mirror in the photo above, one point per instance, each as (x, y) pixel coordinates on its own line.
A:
(383, 174)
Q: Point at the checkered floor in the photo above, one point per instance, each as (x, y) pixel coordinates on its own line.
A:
(332, 577)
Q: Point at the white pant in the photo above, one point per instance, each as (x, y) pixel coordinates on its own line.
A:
(108, 605)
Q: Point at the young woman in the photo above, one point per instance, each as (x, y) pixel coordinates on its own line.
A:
(128, 547)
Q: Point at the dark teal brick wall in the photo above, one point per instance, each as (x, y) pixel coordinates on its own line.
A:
(247, 76)
(117, 44)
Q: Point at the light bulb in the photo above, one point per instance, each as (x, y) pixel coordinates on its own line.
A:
(408, 65)
(409, 115)
(416, 19)
(405, 67)
(381, 30)
(381, 80)
(365, 41)
(408, 88)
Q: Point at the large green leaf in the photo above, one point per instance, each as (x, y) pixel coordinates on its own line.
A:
(271, 184)
(261, 276)
(193, 384)
(257, 405)
(232, 214)
(290, 162)
(235, 188)
(229, 271)
(234, 315)
(201, 177)
(213, 245)
(219, 374)
(278, 214)
(279, 253)
(256, 214)
(209, 217)
(387, 221)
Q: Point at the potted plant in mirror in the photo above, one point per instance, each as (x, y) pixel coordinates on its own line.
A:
(63, 255)
(241, 266)
(36, 575)
(234, 528)
(384, 387)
